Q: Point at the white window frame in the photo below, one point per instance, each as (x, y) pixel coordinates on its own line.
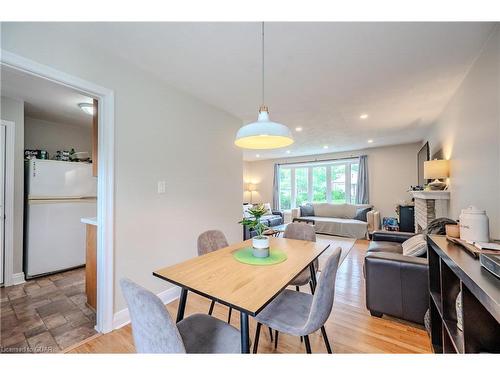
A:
(328, 164)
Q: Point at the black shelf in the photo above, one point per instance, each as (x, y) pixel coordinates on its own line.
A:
(451, 271)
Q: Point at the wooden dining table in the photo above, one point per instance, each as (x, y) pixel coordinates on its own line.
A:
(247, 288)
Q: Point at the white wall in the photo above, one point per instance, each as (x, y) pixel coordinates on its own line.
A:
(53, 136)
(391, 171)
(160, 133)
(13, 110)
(468, 133)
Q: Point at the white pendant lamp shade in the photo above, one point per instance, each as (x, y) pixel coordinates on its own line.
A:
(263, 134)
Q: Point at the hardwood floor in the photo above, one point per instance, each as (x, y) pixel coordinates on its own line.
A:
(350, 327)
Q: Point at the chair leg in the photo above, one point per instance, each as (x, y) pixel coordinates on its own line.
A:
(325, 338)
(276, 339)
(308, 344)
(297, 288)
(211, 309)
(270, 334)
(311, 286)
(301, 339)
(229, 315)
(257, 335)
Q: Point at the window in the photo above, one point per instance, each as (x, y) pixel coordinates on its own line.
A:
(285, 185)
(319, 184)
(331, 181)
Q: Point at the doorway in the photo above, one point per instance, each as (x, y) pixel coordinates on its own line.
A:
(105, 179)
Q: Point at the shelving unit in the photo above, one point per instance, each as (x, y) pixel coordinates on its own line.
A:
(451, 271)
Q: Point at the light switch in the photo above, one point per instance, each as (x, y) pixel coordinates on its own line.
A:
(161, 187)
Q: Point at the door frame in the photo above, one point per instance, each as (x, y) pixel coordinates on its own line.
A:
(105, 179)
(8, 255)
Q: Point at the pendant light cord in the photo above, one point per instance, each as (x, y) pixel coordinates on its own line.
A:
(263, 97)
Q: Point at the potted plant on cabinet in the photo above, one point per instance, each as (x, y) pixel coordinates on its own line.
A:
(260, 243)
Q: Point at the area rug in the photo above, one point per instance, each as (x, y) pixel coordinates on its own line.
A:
(343, 242)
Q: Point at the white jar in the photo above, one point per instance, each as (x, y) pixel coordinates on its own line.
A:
(474, 225)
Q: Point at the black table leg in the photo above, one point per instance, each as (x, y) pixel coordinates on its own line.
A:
(245, 337)
(182, 305)
(313, 277)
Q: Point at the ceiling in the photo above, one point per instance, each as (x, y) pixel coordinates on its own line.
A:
(319, 76)
(44, 99)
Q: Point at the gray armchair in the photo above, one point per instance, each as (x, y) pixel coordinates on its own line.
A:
(396, 284)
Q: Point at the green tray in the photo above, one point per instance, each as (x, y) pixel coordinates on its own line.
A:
(245, 256)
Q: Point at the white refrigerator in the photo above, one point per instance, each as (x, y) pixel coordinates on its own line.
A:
(58, 195)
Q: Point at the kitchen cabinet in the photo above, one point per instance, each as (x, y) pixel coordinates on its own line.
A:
(91, 263)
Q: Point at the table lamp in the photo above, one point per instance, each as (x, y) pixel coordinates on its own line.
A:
(436, 169)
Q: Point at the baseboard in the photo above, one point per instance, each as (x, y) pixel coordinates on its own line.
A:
(18, 278)
(122, 317)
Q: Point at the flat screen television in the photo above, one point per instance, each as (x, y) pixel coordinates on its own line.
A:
(422, 156)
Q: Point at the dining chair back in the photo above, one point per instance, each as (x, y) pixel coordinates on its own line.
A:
(300, 231)
(153, 329)
(322, 302)
(211, 240)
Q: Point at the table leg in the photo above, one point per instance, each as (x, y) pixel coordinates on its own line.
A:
(245, 336)
(313, 276)
(182, 305)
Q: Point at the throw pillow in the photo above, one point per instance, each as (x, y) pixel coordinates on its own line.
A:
(267, 206)
(415, 246)
(361, 214)
(306, 210)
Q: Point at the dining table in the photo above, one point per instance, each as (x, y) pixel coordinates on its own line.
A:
(248, 288)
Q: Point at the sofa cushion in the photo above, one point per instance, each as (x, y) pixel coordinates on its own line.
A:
(415, 246)
(267, 206)
(330, 210)
(361, 213)
(272, 220)
(340, 227)
(306, 210)
(385, 247)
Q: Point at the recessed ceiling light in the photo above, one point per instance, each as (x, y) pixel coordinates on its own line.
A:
(257, 156)
(298, 129)
(288, 151)
(370, 141)
(325, 147)
(87, 108)
(363, 116)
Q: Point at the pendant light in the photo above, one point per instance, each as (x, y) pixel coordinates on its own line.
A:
(263, 134)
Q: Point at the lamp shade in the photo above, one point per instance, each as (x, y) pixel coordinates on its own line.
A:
(436, 169)
(251, 187)
(263, 134)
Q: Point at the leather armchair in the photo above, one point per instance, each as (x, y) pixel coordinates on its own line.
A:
(396, 284)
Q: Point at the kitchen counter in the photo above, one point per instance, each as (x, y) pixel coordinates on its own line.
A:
(89, 220)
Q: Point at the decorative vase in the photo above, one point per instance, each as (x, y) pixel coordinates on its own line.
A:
(260, 246)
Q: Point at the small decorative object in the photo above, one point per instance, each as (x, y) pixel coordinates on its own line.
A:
(436, 169)
(390, 224)
(452, 230)
(260, 242)
(474, 225)
(458, 306)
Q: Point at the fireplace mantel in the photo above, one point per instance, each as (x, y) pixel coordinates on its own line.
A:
(429, 205)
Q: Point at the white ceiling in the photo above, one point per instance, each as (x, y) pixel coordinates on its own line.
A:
(319, 76)
(44, 99)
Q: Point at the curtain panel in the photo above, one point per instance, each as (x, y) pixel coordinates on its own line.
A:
(362, 194)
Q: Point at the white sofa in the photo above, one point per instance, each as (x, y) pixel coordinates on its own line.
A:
(339, 219)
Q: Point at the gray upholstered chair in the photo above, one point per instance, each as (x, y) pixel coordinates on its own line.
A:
(154, 331)
(209, 241)
(304, 232)
(300, 314)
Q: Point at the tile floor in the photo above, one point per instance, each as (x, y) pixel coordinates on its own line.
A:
(46, 314)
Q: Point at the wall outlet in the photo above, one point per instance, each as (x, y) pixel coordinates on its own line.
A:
(161, 187)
